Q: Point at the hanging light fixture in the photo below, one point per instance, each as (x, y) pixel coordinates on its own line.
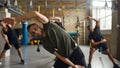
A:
(46, 4)
(8, 3)
(106, 5)
(15, 3)
(31, 4)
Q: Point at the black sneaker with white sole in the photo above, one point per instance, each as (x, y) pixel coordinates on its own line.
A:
(89, 66)
(22, 62)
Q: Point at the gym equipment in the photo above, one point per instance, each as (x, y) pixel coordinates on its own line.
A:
(11, 9)
(78, 29)
(36, 41)
(24, 33)
(73, 33)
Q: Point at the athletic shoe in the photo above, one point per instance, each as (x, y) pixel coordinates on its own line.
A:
(116, 66)
(89, 66)
(38, 49)
(22, 62)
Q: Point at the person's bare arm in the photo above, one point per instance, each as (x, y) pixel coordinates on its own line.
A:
(99, 42)
(6, 39)
(11, 21)
(3, 24)
(97, 21)
(58, 19)
(34, 14)
(66, 60)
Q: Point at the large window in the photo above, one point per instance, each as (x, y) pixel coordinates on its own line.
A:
(101, 9)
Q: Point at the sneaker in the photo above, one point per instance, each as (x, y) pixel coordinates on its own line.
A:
(0, 62)
(22, 62)
(89, 65)
(116, 66)
(38, 50)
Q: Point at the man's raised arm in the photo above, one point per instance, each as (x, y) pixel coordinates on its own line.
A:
(97, 21)
(33, 14)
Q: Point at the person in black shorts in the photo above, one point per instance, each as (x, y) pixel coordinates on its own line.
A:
(55, 40)
(97, 41)
(10, 38)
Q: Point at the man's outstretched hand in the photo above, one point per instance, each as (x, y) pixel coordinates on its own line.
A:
(88, 18)
(8, 20)
(11, 20)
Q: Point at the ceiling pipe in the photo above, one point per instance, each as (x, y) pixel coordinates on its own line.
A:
(11, 9)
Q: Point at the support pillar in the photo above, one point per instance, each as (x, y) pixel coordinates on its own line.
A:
(115, 39)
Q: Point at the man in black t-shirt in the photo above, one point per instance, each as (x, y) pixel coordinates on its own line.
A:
(98, 42)
(10, 38)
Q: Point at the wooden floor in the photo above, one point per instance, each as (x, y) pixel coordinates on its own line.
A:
(43, 59)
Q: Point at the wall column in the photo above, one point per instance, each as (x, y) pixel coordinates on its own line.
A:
(115, 39)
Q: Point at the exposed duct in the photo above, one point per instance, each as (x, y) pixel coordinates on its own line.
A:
(11, 8)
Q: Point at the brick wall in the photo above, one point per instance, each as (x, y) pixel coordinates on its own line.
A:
(70, 19)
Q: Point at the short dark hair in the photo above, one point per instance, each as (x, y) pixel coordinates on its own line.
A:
(28, 27)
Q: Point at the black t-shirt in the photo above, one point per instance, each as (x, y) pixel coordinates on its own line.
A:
(58, 40)
(11, 34)
(95, 35)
